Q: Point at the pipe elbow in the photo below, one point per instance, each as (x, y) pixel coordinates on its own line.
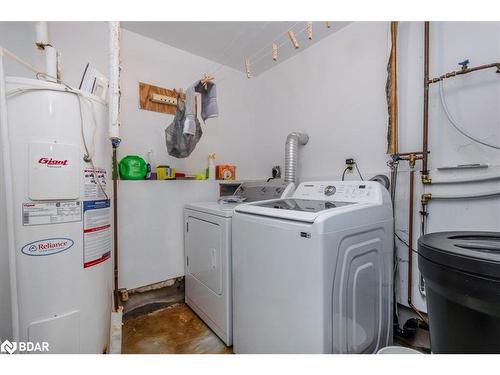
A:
(301, 138)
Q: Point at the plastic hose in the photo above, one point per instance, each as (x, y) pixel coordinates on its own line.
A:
(456, 126)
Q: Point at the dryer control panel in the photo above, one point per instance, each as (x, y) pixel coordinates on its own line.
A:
(341, 191)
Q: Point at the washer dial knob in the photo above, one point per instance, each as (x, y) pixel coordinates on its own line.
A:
(330, 190)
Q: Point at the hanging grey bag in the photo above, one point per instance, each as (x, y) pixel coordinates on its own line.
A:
(181, 145)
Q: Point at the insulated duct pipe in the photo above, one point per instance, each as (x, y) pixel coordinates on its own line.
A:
(291, 154)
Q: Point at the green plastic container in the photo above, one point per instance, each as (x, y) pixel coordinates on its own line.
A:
(132, 167)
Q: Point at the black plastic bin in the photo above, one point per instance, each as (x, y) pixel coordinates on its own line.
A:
(462, 283)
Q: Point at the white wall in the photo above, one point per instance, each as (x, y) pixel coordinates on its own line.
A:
(473, 99)
(150, 213)
(80, 43)
(151, 235)
(151, 228)
(335, 91)
(19, 38)
(230, 136)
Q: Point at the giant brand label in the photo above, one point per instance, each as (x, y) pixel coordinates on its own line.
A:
(49, 246)
(53, 163)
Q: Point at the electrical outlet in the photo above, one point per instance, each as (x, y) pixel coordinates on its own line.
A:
(350, 163)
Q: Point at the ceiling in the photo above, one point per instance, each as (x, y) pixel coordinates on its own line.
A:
(230, 43)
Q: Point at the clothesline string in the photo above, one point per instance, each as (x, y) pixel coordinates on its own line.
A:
(234, 43)
(285, 33)
(217, 66)
(260, 54)
(231, 45)
(254, 61)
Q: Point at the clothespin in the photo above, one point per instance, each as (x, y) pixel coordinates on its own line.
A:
(206, 78)
(309, 30)
(293, 39)
(275, 52)
(328, 24)
(247, 68)
(180, 94)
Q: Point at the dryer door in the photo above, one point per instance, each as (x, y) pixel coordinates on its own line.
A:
(203, 251)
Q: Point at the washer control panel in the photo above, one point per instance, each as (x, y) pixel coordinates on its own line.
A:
(342, 191)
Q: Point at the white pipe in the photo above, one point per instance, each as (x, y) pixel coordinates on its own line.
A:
(51, 63)
(115, 334)
(9, 195)
(455, 124)
(114, 80)
(466, 180)
(42, 33)
(43, 43)
(468, 196)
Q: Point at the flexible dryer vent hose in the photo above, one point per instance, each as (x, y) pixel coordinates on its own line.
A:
(291, 154)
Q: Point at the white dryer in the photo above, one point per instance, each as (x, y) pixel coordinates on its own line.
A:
(313, 273)
(207, 247)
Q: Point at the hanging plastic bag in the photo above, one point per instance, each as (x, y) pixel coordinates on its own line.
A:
(181, 145)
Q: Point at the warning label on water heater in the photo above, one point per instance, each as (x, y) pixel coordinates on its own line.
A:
(97, 234)
(95, 181)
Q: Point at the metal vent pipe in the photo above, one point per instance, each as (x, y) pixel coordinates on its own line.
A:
(293, 140)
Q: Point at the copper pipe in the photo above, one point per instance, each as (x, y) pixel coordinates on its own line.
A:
(464, 71)
(412, 156)
(403, 154)
(115, 229)
(410, 240)
(425, 135)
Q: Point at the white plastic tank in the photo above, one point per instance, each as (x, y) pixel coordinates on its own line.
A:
(61, 178)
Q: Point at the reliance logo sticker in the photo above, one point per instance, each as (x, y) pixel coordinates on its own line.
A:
(49, 246)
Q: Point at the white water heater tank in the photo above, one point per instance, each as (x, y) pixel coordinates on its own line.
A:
(61, 180)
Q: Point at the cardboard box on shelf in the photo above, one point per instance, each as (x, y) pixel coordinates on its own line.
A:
(225, 172)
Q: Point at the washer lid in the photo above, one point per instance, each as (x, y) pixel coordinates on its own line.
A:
(303, 205)
(306, 210)
(475, 252)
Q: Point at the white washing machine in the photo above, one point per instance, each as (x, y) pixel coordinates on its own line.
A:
(207, 247)
(313, 273)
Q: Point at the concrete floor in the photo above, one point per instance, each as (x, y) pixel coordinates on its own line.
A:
(172, 330)
(178, 330)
